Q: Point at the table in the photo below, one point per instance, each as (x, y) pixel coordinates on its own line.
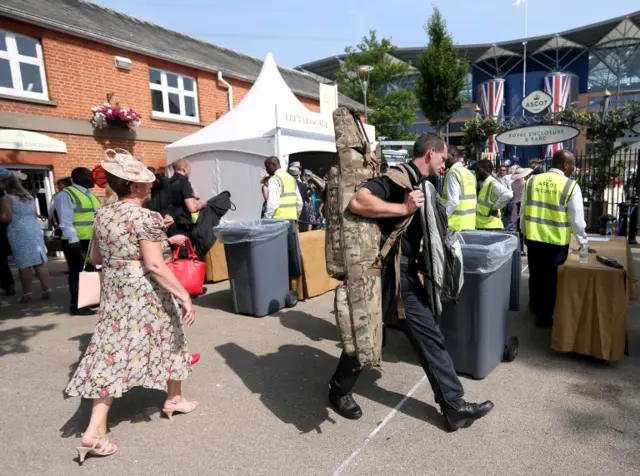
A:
(590, 316)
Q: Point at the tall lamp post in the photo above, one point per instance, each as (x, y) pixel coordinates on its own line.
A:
(363, 76)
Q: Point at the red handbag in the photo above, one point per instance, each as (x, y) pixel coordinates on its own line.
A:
(190, 272)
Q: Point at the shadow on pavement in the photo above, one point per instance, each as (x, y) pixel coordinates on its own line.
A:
(314, 328)
(14, 341)
(293, 385)
(220, 300)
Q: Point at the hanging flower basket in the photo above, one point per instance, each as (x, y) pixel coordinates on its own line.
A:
(108, 115)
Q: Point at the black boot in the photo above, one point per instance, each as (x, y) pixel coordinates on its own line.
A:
(345, 406)
(465, 414)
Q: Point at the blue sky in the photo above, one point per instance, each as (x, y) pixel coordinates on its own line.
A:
(299, 31)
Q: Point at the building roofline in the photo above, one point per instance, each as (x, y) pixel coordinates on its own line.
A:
(51, 24)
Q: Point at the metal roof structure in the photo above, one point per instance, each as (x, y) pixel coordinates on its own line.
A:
(587, 37)
(96, 23)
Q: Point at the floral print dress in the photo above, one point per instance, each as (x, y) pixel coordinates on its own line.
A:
(138, 339)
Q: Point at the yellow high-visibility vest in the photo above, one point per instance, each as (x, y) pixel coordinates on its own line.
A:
(84, 210)
(463, 217)
(483, 220)
(546, 213)
(287, 208)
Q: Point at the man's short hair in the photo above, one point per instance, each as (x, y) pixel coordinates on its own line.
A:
(485, 165)
(64, 182)
(78, 171)
(152, 169)
(180, 164)
(427, 141)
(559, 158)
(273, 160)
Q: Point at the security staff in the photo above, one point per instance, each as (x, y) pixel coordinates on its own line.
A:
(382, 199)
(76, 207)
(460, 195)
(492, 197)
(551, 208)
(284, 201)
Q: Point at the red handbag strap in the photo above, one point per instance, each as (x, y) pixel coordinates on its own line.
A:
(190, 251)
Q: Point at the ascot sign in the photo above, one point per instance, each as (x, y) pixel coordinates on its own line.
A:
(538, 135)
(636, 128)
(536, 102)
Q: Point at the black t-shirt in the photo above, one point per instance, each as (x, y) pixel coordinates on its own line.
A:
(181, 190)
(385, 189)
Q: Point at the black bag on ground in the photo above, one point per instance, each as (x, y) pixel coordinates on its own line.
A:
(293, 246)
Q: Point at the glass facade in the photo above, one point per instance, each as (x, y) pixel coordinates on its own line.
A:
(615, 66)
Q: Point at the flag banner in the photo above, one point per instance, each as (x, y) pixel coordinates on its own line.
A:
(492, 103)
(558, 86)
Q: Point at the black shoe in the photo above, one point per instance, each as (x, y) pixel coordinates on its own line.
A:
(84, 312)
(10, 292)
(345, 406)
(464, 415)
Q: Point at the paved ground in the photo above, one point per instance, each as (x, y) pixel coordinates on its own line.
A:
(262, 384)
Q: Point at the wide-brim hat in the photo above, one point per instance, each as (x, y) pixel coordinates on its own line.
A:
(122, 164)
(521, 173)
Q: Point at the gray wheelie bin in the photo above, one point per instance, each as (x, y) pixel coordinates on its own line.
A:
(475, 327)
(258, 264)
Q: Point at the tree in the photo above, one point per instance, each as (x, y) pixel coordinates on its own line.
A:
(442, 74)
(391, 109)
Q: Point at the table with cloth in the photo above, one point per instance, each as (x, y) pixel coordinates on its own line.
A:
(592, 300)
(314, 280)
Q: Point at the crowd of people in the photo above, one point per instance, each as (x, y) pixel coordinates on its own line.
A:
(139, 338)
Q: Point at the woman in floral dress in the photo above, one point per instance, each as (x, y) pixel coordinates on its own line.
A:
(138, 339)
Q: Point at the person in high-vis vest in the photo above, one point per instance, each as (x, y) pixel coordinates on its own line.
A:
(76, 207)
(552, 207)
(284, 201)
(492, 197)
(459, 195)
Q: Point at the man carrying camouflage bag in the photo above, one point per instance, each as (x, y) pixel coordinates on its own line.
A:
(391, 203)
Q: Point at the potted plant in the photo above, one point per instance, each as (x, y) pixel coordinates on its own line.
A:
(111, 114)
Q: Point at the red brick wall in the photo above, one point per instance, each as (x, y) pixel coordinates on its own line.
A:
(79, 75)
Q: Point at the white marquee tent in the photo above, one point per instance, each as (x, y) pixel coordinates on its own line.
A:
(229, 154)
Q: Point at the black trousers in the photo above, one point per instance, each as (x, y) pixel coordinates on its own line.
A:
(6, 279)
(425, 338)
(75, 261)
(544, 261)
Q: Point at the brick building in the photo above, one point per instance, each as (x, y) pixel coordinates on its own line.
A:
(60, 58)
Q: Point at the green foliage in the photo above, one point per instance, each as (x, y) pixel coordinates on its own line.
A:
(602, 130)
(390, 109)
(476, 133)
(442, 74)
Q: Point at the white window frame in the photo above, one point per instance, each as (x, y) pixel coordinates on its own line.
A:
(180, 91)
(14, 65)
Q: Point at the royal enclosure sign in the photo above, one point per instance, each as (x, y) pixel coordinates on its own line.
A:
(536, 102)
(538, 135)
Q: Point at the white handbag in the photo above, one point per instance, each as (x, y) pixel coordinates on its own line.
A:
(90, 285)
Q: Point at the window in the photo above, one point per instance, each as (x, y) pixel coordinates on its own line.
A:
(21, 67)
(173, 96)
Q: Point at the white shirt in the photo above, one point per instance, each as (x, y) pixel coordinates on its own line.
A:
(499, 195)
(453, 190)
(506, 181)
(273, 199)
(576, 211)
(64, 208)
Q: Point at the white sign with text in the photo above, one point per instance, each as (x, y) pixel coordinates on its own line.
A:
(14, 139)
(536, 102)
(304, 121)
(538, 135)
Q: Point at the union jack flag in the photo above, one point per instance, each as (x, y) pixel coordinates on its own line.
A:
(492, 97)
(558, 86)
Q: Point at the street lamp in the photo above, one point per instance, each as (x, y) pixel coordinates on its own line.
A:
(363, 72)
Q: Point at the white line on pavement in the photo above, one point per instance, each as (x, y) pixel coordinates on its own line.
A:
(387, 419)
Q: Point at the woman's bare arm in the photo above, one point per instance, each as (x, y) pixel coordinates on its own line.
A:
(94, 253)
(154, 262)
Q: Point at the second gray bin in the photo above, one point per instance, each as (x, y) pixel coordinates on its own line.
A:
(258, 264)
(475, 328)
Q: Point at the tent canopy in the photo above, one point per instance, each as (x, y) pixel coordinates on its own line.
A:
(270, 120)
